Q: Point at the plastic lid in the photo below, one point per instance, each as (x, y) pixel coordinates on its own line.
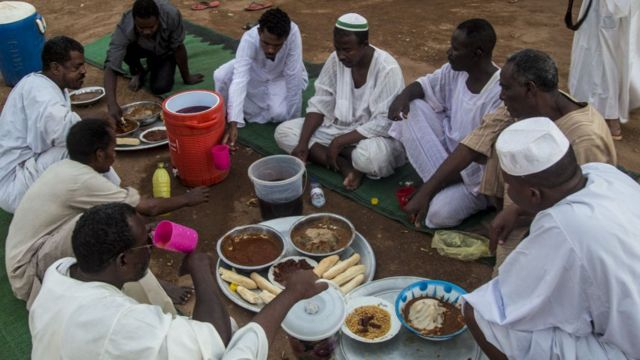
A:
(12, 11)
(316, 318)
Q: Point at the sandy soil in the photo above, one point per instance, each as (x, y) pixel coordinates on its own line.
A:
(417, 32)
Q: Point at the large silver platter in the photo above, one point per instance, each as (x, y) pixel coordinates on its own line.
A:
(405, 345)
(282, 225)
(143, 145)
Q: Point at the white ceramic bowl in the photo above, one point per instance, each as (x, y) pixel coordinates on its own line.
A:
(251, 229)
(314, 217)
(382, 304)
(99, 94)
(142, 134)
(271, 274)
(437, 289)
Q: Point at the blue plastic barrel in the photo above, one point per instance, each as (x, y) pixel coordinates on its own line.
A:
(21, 40)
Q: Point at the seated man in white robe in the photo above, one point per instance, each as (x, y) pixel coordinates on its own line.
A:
(441, 109)
(265, 81)
(40, 231)
(346, 126)
(570, 289)
(81, 312)
(36, 118)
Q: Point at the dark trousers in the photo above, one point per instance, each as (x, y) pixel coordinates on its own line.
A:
(161, 69)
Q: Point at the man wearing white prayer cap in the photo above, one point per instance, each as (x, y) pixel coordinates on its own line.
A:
(570, 289)
(346, 125)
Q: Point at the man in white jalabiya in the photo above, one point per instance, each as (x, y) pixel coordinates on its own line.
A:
(36, 118)
(603, 58)
(570, 289)
(81, 313)
(434, 113)
(266, 79)
(346, 126)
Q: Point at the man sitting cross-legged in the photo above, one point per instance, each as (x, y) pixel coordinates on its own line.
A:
(40, 231)
(265, 80)
(441, 109)
(346, 126)
(81, 312)
(570, 289)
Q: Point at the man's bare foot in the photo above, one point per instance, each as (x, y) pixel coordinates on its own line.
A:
(352, 179)
(615, 129)
(179, 295)
(135, 83)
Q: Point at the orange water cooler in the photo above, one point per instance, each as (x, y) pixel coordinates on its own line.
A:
(195, 121)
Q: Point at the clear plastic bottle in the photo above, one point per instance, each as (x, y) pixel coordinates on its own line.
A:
(161, 182)
(317, 195)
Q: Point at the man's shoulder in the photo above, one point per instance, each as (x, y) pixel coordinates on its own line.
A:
(169, 13)
(385, 59)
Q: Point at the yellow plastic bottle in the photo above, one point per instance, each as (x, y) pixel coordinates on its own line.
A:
(161, 182)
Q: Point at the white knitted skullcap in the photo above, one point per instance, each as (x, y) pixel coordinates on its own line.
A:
(530, 146)
(352, 22)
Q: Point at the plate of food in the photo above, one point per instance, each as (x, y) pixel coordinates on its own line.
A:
(358, 259)
(405, 345)
(154, 135)
(279, 270)
(371, 320)
(86, 96)
(125, 127)
(144, 112)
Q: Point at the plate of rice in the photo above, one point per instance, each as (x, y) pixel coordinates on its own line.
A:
(371, 320)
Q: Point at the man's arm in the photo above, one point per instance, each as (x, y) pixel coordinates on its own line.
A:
(311, 123)
(208, 307)
(183, 65)
(447, 173)
(293, 73)
(110, 82)
(491, 351)
(399, 108)
(157, 206)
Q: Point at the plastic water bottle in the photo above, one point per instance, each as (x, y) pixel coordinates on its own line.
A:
(161, 182)
(317, 195)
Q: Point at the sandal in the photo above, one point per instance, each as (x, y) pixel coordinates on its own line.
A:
(203, 5)
(255, 6)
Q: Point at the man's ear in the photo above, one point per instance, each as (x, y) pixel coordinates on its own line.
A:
(531, 88)
(100, 155)
(55, 68)
(121, 260)
(535, 196)
(478, 52)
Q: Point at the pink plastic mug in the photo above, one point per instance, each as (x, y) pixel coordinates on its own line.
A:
(175, 237)
(221, 157)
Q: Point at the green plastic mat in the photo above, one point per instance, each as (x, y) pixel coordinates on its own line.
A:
(15, 340)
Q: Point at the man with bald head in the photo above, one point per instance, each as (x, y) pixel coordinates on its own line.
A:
(570, 289)
(346, 126)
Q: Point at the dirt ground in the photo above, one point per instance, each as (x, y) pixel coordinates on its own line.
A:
(417, 32)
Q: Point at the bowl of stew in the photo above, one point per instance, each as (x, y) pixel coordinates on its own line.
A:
(322, 234)
(251, 247)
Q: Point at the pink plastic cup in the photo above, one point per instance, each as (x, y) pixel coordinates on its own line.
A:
(175, 237)
(221, 157)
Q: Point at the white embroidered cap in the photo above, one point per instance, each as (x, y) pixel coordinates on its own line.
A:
(530, 146)
(352, 22)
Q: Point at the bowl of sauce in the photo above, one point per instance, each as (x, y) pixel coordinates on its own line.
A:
(251, 247)
(322, 234)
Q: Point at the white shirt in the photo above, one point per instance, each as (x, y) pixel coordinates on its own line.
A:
(63, 192)
(577, 271)
(337, 100)
(251, 64)
(36, 117)
(72, 319)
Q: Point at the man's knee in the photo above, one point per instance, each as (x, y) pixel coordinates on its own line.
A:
(442, 214)
(161, 85)
(287, 136)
